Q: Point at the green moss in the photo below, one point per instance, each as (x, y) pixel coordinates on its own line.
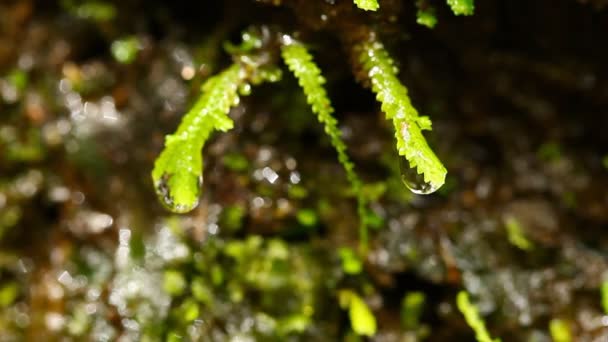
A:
(351, 264)
(309, 76)
(232, 217)
(560, 331)
(426, 15)
(473, 318)
(174, 282)
(235, 162)
(307, 217)
(604, 293)
(177, 172)
(8, 294)
(516, 234)
(411, 309)
(362, 319)
(125, 50)
(367, 5)
(95, 10)
(462, 7)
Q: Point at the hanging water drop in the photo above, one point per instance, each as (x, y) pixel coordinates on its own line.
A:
(414, 180)
(181, 195)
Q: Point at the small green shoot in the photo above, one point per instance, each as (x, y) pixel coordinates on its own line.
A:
(174, 282)
(559, 330)
(177, 172)
(351, 264)
(367, 5)
(426, 15)
(362, 320)
(604, 292)
(8, 294)
(462, 7)
(307, 217)
(605, 162)
(473, 318)
(95, 10)
(516, 235)
(411, 309)
(125, 50)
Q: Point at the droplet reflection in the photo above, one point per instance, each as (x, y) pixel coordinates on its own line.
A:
(414, 180)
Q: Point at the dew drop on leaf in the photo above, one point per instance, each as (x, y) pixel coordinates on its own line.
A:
(175, 199)
(414, 180)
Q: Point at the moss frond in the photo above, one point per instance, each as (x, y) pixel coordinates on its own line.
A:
(474, 320)
(604, 292)
(398, 107)
(462, 7)
(367, 5)
(301, 63)
(362, 320)
(426, 14)
(177, 171)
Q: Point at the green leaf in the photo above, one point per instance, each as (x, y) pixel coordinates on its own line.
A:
(125, 50)
(351, 264)
(367, 5)
(425, 15)
(473, 318)
(398, 107)
(362, 319)
(515, 233)
(309, 77)
(560, 331)
(177, 173)
(462, 7)
(604, 292)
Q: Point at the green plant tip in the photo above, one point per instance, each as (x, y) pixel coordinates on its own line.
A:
(177, 173)
(174, 282)
(426, 18)
(516, 234)
(462, 7)
(604, 292)
(307, 217)
(422, 172)
(559, 330)
(351, 264)
(125, 50)
(473, 318)
(367, 5)
(361, 317)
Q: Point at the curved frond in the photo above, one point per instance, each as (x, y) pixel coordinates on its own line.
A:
(177, 172)
(398, 107)
(300, 62)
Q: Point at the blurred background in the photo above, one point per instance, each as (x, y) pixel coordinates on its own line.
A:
(518, 96)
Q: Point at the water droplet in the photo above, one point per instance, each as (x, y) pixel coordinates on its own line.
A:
(166, 196)
(414, 180)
